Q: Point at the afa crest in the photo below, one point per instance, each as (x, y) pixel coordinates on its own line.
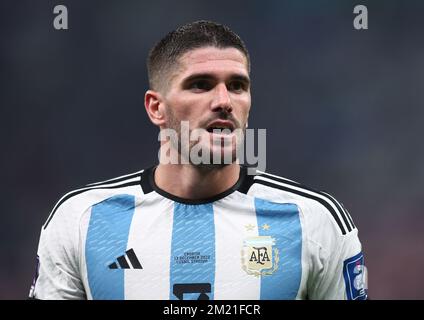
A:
(258, 257)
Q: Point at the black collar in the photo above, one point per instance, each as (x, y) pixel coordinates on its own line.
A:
(148, 185)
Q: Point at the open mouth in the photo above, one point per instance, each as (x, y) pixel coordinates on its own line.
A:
(221, 127)
(221, 130)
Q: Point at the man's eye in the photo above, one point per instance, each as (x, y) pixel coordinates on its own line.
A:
(200, 85)
(236, 86)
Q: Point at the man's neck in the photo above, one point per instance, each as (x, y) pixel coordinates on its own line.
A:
(193, 182)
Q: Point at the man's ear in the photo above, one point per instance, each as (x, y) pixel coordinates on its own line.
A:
(152, 103)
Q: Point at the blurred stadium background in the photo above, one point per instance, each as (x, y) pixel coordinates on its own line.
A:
(343, 111)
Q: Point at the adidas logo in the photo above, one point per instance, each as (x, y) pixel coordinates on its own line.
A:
(123, 263)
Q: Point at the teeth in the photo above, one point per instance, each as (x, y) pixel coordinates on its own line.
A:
(218, 128)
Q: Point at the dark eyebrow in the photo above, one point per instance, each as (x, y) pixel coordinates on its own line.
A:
(208, 76)
(242, 78)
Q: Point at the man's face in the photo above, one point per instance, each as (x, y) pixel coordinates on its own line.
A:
(211, 89)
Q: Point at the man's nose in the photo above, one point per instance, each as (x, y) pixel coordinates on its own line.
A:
(222, 99)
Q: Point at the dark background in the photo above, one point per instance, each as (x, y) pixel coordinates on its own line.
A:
(343, 111)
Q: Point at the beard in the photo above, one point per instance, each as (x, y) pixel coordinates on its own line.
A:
(216, 152)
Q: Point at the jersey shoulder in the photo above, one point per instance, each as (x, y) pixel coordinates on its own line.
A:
(318, 207)
(76, 202)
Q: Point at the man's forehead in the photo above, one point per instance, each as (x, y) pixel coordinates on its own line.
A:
(210, 58)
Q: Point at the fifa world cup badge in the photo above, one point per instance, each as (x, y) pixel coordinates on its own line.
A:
(258, 257)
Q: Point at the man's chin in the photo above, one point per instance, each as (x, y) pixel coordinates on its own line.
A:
(215, 158)
(222, 155)
(211, 166)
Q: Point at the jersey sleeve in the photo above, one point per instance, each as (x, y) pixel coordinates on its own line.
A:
(58, 276)
(340, 272)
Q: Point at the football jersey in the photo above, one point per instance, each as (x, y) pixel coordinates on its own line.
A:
(267, 237)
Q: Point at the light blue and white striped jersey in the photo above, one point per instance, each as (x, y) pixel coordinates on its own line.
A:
(265, 238)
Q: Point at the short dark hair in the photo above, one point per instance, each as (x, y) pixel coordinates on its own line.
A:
(164, 55)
